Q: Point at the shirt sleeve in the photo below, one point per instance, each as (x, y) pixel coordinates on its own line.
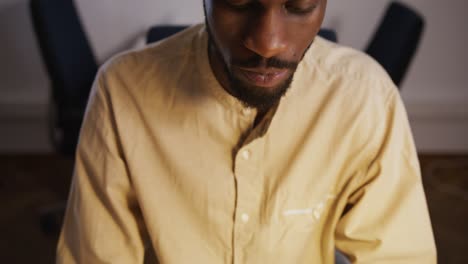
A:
(386, 219)
(102, 221)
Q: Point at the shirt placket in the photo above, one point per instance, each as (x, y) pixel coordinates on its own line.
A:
(248, 182)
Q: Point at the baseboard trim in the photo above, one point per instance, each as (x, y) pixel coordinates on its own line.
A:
(439, 127)
(24, 128)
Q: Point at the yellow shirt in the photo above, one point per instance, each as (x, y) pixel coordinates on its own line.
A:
(170, 165)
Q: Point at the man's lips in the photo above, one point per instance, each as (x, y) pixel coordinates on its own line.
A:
(264, 77)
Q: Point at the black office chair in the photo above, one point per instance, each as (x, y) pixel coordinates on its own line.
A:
(71, 68)
(396, 40)
(70, 64)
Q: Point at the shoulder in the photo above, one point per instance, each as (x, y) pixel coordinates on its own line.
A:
(348, 88)
(351, 70)
(159, 54)
(152, 70)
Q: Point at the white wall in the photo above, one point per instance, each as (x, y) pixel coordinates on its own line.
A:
(113, 25)
(439, 70)
(435, 90)
(22, 77)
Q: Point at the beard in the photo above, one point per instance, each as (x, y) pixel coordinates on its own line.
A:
(255, 96)
(251, 95)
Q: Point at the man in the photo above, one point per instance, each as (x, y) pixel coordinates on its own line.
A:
(246, 140)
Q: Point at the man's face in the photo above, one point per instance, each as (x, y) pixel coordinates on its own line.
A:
(256, 45)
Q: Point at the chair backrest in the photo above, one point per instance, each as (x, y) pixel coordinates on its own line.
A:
(70, 64)
(328, 34)
(163, 31)
(65, 50)
(396, 40)
(157, 33)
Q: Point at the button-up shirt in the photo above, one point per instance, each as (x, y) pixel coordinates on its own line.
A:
(171, 168)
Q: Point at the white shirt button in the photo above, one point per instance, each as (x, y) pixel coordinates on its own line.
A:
(246, 154)
(246, 111)
(245, 218)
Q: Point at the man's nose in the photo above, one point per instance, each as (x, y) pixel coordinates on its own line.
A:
(266, 35)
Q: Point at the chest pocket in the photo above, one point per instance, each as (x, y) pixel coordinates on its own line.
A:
(297, 213)
(292, 221)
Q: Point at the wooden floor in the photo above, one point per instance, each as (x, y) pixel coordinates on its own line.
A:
(30, 183)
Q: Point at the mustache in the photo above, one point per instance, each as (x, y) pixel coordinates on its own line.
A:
(258, 61)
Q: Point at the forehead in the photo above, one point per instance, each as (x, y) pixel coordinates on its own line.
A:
(265, 2)
(209, 4)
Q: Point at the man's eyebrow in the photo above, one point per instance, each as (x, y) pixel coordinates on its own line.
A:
(290, 1)
(316, 2)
